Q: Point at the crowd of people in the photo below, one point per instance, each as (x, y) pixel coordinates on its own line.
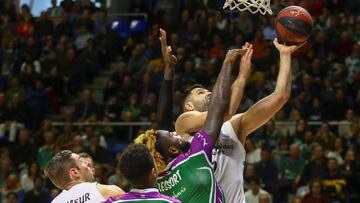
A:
(48, 60)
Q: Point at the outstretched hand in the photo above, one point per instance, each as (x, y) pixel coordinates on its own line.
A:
(283, 49)
(232, 54)
(245, 63)
(169, 58)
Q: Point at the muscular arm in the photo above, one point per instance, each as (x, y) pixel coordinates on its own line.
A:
(109, 190)
(219, 101)
(266, 108)
(165, 103)
(238, 86)
(165, 106)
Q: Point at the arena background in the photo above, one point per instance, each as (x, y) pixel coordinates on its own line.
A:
(84, 75)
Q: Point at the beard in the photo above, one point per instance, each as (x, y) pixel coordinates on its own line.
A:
(88, 177)
(202, 106)
(184, 146)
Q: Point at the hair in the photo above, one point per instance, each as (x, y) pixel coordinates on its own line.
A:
(149, 139)
(255, 180)
(187, 93)
(86, 156)
(311, 184)
(58, 168)
(136, 163)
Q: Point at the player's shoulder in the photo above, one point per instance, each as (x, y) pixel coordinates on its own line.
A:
(189, 114)
(109, 190)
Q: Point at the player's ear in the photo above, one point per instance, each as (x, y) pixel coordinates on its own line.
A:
(174, 151)
(154, 173)
(189, 106)
(74, 174)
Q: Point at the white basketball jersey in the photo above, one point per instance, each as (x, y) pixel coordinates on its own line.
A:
(228, 158)
(80, 193)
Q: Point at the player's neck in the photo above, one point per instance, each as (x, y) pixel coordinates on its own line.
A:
(72, 184)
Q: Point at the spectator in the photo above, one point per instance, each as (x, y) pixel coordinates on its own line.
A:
(54, 10)
(252, 195)
(91, 58)
(337, 151)
(12, 185)
(98, 153)
(28, 179)
(38, 194)
(267, 170)
(316, 167)
(316, 194)
(23, 153)
(291, 168)
(44, 26)
(87, 107)
(325, 137)
(45, 152)
(249, 174)
(83, 37)
(252, 153)
(334, 182)
(15, 114)
(307, 146)
(133, 107)
(350, 171)
(137, 61)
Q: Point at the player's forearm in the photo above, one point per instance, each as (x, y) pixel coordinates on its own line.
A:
(237, 90)
(219, 102)
(283, 83)
(169, 73)
(165, 105)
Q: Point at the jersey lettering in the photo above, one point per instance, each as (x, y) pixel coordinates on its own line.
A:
(82, 199)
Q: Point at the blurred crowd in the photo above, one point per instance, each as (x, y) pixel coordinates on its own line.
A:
(47, 61)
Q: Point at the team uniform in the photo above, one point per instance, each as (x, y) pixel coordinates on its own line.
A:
(190, 177)
(83, 192)
(150, 195)
(228, 158)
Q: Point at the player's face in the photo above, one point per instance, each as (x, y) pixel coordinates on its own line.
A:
(89, 163)
(201, 99)
(172, 143)
(84, 168)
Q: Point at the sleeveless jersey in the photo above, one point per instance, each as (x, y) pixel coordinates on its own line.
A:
(190, 177)
(228, 158)
(150, 195)
(80, 193)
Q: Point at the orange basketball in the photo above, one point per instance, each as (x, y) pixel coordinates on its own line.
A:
(293, 25)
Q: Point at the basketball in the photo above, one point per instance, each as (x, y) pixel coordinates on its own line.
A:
(293, 25)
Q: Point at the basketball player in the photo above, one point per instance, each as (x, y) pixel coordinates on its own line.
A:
(229, 155)
(74, 177)
(186, 162)
(137, 165)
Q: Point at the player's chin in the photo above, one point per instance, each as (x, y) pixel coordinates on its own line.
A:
(184, 145)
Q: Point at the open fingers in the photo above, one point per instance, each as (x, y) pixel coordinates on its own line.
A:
(163, 39)
(301, 45)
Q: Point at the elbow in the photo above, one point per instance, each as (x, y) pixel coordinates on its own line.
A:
(282, 97)
(228, 116)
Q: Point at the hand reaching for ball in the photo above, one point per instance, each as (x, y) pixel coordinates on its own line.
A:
(283, 49)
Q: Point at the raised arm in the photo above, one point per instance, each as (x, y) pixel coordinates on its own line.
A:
(220, 99)
(264, 109)
(165, 103)
(238, 86)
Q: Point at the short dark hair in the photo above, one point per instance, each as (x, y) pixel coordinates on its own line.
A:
(256, 180)
(136, 163)
(86, 156)
(187, 94)
(58, 167)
